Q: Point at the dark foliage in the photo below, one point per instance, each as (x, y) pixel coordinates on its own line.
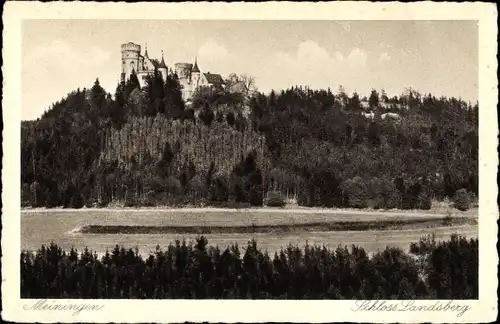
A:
(446, 270)
(317, 147)
(462, 200)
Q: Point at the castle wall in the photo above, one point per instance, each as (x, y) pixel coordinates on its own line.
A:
(163, 73)
(203, 81)
(142, 77)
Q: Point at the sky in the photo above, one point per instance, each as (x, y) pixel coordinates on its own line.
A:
(438, 57)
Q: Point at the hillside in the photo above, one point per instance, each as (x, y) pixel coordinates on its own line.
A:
(145, 148)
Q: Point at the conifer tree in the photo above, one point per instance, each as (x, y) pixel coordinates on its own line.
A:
(98, 100)
(118, 107)
(131, 84)
(354, 102)
(373, 101)
(206, 115)
(174, 104)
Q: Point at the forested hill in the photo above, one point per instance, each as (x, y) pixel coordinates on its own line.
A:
(144, 147)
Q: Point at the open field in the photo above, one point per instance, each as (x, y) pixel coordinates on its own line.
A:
(64, 228)
(437, 209)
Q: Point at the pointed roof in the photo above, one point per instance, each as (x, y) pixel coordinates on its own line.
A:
(146, 51)
(195, 67)
(162, 63)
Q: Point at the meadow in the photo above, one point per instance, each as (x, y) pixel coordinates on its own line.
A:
(66, 228)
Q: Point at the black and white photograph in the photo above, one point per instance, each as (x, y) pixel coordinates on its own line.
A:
(273, 159)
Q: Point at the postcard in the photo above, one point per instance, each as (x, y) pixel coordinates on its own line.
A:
(249, 162)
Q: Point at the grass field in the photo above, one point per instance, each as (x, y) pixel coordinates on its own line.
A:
(235, 217)
(63, 227)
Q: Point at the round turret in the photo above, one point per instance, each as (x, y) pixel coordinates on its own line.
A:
(131, 47)
(130, 58)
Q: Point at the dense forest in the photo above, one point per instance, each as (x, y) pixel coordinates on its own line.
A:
(432, 270)
(147, 147)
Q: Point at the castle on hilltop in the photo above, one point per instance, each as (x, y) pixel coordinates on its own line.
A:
(190, 76)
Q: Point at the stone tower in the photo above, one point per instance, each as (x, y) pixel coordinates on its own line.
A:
(130, 59)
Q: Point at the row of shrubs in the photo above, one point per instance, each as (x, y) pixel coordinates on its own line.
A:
(430, 270)
(463, 200)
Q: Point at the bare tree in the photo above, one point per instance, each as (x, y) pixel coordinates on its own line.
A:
(342, 95)
(232, 79)
(249, 82)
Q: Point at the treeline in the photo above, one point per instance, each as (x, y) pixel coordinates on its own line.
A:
(329, 154)
(432, 270)
(145, 147)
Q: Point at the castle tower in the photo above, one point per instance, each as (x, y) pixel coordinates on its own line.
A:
(130, 59)
(195, 74)
(162, 68)
(183, 71)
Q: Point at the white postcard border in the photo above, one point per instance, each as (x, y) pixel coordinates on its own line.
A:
(484, 309)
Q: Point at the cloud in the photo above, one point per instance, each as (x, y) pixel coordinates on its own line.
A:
(66, 67)
(214, 57)
(55, 47)
(405, 52)
(314, 57)
(357, 58)
(345, 25)
(99, 56)
(211, 50)
(384, 57)
(310, 51)
(315, 66)
(59, 53)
